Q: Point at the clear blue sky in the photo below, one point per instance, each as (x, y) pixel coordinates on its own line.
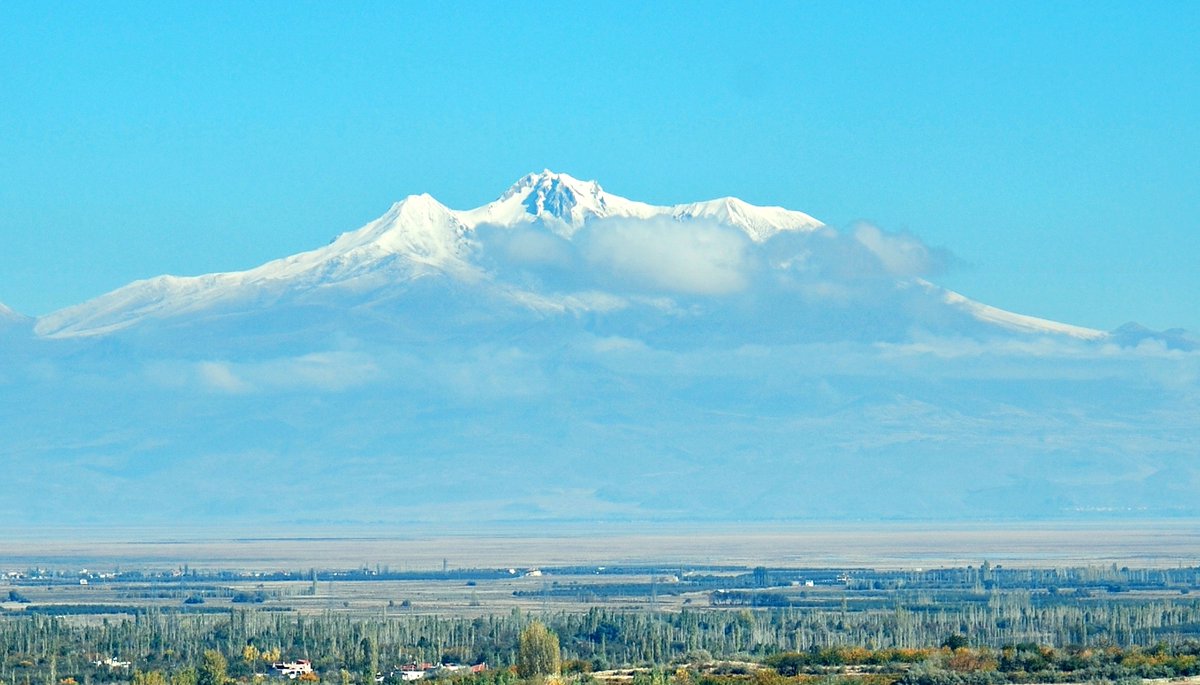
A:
(1053, 147)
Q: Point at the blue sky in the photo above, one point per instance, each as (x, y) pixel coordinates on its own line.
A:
(1053, 148)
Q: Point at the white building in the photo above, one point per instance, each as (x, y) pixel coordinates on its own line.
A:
(292, 669)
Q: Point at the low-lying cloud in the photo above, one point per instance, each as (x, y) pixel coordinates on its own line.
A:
(670, 256)
(700, 258)
(329, 371)
(901, 254)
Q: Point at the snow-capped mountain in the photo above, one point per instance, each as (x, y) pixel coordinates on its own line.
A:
(566, 354)
(603, 242)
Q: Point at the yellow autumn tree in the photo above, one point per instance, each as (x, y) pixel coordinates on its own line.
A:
(538, 653)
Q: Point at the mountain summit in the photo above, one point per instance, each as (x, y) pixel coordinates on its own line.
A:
(562, 202)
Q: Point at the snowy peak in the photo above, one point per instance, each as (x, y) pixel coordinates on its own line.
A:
(415, 235)
(760, 223)
(561, 202)
(418, 227)
(557, 194)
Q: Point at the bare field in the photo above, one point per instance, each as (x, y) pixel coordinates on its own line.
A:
(884, 546)
(378, 598)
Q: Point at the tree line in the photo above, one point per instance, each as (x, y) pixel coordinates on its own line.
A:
(46, 650)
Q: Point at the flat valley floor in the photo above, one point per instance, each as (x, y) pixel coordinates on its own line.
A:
(1141, 544)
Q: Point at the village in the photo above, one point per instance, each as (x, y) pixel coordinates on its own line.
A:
(302, 669)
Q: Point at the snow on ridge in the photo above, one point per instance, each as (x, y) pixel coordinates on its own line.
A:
(419, 229)
(1012, 321)
(759, 223)
(564, 204)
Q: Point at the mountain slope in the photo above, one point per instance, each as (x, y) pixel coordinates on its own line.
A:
(415, 237)
(1015, 322)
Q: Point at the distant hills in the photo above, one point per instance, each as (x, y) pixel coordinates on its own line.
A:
(565, 354)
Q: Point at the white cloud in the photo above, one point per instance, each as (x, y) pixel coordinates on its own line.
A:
(330, 371)
(322, 371)
(691, 258)
(666, 257)
(900, 254)
(532, 247)
(220, 376)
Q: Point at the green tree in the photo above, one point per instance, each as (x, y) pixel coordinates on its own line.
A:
(149, 678)
(955, 641)
(538, 654)
(369, 665)
(213, 669)
(184, 676)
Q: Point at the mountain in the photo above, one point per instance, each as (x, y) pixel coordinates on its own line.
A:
(619, 242)
(566, 354)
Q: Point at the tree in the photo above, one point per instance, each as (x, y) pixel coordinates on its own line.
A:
(370, 660)
(538, 653)
(788, 663)
(213, 669)
(184, 676)
(149, 678)
(955, 642)
(761, 577)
